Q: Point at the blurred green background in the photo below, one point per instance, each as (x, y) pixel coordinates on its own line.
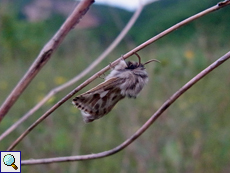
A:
(191, 136)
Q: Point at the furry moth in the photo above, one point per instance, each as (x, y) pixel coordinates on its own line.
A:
(125, 80)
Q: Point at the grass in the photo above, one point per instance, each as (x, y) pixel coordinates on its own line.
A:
(191, 136)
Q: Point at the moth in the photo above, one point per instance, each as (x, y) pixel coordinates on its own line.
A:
(125, 80)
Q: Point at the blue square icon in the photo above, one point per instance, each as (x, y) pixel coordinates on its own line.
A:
(10, 161)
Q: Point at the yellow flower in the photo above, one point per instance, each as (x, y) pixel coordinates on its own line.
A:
(59, 80)
(51, 100)
(189, 54)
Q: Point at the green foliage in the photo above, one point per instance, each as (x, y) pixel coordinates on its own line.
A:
(110, 24)
(18, 37)
(191, 136)
(154, 20)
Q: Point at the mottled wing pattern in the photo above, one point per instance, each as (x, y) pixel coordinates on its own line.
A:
(99, 100)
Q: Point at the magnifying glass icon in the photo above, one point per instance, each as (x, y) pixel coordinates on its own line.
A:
(9, 160)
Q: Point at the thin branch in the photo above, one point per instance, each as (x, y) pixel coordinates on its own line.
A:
(152, 119)
(78, 77)
(177, 26)
(52, 109)
(45, 55)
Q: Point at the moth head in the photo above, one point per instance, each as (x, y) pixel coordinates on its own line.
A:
(134, 65)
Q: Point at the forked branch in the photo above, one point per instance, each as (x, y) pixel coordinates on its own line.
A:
(79, 76)
(45, 55)
(209, 10)
(153, 118)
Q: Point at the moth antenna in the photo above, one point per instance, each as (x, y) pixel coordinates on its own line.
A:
(152, 61)
(139, 58)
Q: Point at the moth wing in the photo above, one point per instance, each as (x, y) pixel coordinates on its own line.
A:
(99, 101)
(106, 85)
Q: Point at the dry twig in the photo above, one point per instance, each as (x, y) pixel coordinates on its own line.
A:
(153, 118)
(45, 55)
(178, 25)
(78, 77)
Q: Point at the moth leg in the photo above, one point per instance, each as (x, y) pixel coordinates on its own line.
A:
(100, 76)
(122, 57)
(110, 66)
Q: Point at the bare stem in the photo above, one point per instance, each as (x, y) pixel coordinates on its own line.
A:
(152, 119)
(78, 77)
(45, 55)
(178, 25)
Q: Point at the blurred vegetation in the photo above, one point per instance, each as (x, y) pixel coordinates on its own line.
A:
(191, 136)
